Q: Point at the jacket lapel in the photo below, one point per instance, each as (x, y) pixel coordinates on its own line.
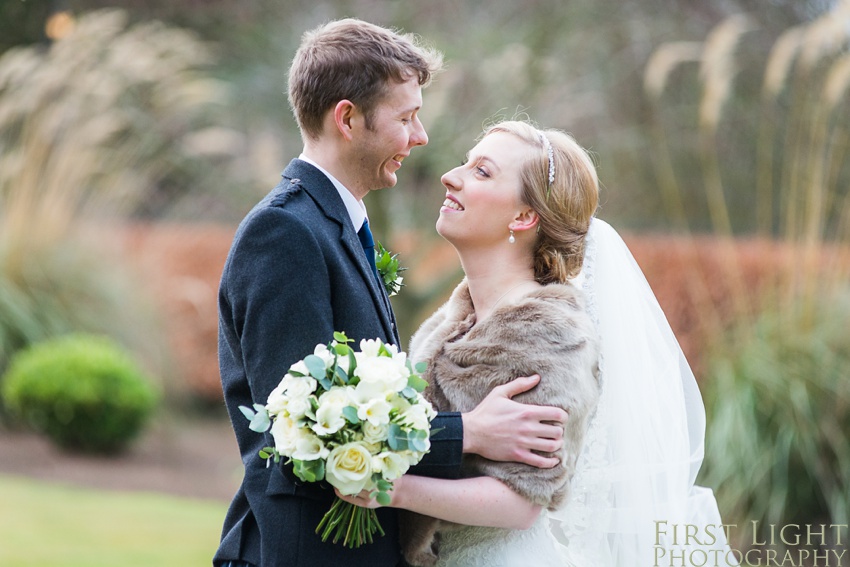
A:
(325, 195)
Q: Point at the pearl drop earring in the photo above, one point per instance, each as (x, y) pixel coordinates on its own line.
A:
(511, 238)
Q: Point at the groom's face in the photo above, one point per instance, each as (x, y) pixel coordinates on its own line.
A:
(394, 130)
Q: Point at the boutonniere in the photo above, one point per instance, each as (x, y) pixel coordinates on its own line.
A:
(389, 269)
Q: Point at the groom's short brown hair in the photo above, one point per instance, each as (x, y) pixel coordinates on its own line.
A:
(353, 60)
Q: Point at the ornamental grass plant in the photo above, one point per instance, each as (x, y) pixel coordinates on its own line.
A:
(98, 127)
(775, 385)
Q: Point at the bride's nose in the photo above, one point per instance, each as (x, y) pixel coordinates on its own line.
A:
(451, 180)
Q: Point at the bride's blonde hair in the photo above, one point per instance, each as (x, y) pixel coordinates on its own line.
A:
(564, 207)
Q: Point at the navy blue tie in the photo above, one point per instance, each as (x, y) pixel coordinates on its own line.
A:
(368, 244)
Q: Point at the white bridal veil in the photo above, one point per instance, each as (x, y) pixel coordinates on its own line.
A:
(633, 492)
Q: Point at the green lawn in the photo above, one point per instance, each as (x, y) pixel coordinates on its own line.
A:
(50, 525)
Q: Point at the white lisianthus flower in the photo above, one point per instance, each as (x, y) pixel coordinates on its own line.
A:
(399, 403)
(375, 411)
(417, 416)
(349, 468)
(381, 373)
(413, 457)
(300, 367)
(285, 433)
(390, 464)
(329, 419)
(308, 447)
(369, 348)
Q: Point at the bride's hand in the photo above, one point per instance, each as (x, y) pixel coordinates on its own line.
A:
(365, 500)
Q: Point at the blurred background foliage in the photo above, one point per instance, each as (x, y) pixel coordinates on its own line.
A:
(724, 120)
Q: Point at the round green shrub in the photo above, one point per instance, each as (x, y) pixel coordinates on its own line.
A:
(83, 391)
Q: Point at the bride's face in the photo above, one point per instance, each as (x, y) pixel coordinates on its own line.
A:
(483, 194)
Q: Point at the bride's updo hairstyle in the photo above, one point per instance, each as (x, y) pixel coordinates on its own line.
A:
(564, 207)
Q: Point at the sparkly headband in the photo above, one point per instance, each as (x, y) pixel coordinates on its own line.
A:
(551, 154)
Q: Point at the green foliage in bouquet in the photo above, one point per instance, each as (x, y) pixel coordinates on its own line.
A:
(83, 391)
(354, 419)
(777, 446)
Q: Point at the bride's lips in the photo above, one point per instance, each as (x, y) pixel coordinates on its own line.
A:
(451, 204)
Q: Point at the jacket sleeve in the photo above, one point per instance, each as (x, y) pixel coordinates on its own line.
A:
(279, 294)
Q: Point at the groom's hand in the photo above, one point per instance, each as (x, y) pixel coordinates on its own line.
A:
(501, 429)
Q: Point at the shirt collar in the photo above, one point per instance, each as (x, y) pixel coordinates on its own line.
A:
(356, 209)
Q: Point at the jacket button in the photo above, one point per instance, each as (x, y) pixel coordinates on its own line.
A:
(294, 181)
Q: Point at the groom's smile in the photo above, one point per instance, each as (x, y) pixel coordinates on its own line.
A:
(392, 132)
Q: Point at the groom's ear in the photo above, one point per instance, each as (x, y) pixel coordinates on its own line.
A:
(526, 219)
(343, 113)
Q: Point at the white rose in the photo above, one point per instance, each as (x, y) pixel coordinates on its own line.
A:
(277, 400)
(374, 434)
(338, 395)
(285, 433)
(298, 386)
(349, 468)
(375, 411)
(297, 408)
(308, 447)
(391, 465)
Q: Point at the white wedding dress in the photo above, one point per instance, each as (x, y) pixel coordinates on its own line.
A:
(642, 451)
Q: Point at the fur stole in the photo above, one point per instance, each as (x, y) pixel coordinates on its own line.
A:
(547, 332)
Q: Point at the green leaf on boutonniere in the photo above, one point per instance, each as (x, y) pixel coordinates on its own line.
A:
(389, 269)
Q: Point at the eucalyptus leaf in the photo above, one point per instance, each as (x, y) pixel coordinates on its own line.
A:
(309, 471)
(397, 438)
(316, 366)
(417, 383)
(260, 422)
(421, 367)
(350, 414)
(383, 499)
(418, 440)
(247, 412)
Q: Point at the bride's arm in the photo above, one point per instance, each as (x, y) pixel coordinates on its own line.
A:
(477, 501)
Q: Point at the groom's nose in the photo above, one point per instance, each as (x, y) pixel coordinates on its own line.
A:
(419, 137)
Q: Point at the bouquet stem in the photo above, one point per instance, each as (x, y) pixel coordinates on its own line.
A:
(355, 525)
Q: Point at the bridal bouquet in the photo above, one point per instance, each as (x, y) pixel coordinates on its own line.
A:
(355, 419)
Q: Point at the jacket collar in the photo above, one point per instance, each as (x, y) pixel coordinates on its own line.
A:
(324, 194)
